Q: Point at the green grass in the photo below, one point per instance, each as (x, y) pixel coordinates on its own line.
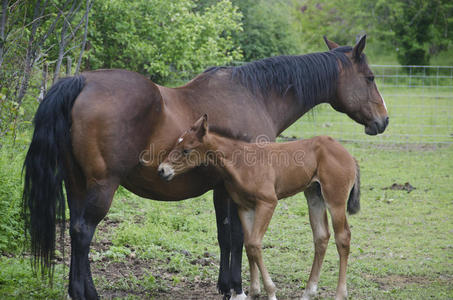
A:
(401, 242)
(17, 281)
(402, 245)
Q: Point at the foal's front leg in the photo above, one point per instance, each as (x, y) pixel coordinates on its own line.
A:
(247, 218)
(254, 223)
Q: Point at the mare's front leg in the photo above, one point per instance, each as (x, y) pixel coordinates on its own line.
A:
(255, 223)
(230, 237)
(85, 213)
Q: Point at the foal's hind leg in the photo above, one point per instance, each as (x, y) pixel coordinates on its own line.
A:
(336, 203)
(86, 212)
(320, 229)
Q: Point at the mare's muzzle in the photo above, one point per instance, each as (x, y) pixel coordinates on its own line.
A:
(377, 126)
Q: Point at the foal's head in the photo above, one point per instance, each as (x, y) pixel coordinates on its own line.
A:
(189, 151)
(357, 93)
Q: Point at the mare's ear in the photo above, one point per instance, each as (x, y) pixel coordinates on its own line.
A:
(331, 45)
(202, 126)
(358, 48)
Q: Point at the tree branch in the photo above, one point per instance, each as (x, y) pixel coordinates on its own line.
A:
(30, 52)
(54, 23)
(62, 42)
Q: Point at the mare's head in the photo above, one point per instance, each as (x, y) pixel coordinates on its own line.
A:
(189, 151)
(357, 93)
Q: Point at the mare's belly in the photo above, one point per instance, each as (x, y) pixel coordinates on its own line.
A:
(145, 182)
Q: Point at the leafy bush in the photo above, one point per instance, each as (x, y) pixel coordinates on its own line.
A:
(17, 281)
(166, 39)
(268, 29)
(11, 224)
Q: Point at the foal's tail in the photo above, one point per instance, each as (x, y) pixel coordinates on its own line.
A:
(43, 198)
(354, 195)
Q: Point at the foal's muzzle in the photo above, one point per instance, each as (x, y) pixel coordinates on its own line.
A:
(166, 171)
(377, 126)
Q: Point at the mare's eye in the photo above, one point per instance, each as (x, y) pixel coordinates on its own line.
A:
(186, 151)
(370, 78)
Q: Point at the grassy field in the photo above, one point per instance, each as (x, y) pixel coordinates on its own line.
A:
(402, 242)
(402, 246)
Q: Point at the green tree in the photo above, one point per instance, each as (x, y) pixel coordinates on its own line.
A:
(268, 29)
(415, 27)
(340, 21)
(167, 40)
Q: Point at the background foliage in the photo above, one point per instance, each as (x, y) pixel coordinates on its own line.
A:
(167, 40)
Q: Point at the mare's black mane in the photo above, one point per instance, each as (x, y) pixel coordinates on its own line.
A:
(311, 77)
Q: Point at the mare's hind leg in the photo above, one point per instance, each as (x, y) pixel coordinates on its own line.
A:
(321, 235)
(86, 212)
(230, 237)
(336, 203)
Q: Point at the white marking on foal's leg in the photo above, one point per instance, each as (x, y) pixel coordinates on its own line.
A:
(255, 287)
(310, 291)
(235, 296)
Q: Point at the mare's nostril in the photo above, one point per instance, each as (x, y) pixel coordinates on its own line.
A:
(387, 120)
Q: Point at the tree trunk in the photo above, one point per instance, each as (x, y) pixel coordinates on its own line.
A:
(85, 33)
(43, 89)
(2, 29)
(64, 38)
(31, 51)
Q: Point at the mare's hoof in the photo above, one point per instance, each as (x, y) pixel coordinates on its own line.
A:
(241, 296)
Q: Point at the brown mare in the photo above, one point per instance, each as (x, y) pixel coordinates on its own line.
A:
(93, 132)
(256, 176)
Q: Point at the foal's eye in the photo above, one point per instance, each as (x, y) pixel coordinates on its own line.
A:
(186, 151)
(370, 78)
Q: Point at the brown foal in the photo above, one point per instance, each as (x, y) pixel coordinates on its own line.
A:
(257, 175)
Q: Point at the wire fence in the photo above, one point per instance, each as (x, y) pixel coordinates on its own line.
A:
(420, 106)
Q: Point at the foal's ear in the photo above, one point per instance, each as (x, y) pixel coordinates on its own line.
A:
(202, 126)
(358, 48)
(331, 45)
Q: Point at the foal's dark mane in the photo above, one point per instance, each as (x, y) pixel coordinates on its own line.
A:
(311, 77)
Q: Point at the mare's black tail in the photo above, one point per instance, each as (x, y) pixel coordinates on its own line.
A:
(43, 198)
(354, 196)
